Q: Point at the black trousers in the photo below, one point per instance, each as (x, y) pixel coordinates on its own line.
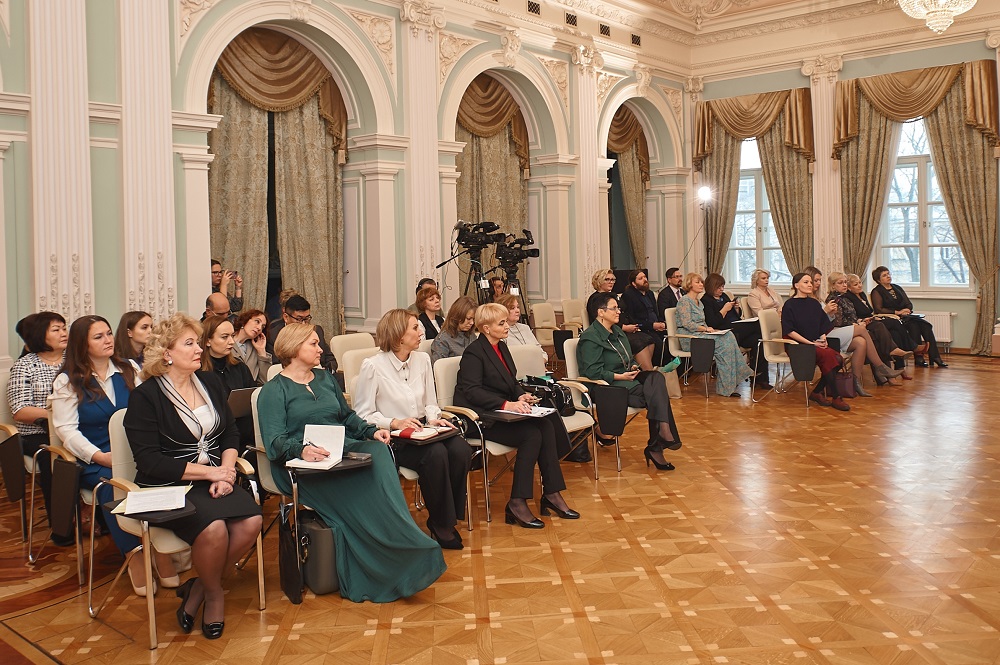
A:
(537, 442)
(899, 333)
(651, 394)
(922, 330)
(443, 467)
(30, 444)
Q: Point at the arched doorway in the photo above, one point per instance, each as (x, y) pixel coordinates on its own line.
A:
(629, 178)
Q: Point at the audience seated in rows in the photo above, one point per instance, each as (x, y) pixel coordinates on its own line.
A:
(640, 343)
(669, 295)
(298, 310)
(519, 333)
(457, 332)
(429, 312)
(723, 313)
(251, 343)
(132, 335)
(890, 298)
(217, 341)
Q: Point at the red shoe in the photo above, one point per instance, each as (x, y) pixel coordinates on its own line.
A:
(820, 399)
(839, 404)
(906, 377)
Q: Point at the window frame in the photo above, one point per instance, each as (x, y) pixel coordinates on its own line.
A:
(757, 173)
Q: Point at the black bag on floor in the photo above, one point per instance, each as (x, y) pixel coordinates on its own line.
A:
(320, 553)
(288, 564)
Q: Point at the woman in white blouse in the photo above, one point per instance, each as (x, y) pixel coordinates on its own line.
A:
(93, 385)
(520, 333)
(394, 391)
(761, 295)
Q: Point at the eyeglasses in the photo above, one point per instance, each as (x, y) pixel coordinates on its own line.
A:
(616, 308)
(301, 319)
(226, 313)
(216, 272)
(610, 279)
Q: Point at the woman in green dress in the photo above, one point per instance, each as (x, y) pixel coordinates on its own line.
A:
(381, 553)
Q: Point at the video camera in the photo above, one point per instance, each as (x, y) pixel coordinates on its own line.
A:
(509, 254)
(476, 237)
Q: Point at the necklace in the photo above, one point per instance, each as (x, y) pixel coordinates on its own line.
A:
(624, 357)
(517, 333)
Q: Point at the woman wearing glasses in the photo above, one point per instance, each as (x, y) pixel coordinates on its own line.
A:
(639, 342)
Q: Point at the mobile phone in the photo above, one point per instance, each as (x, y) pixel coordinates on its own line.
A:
(360, 457)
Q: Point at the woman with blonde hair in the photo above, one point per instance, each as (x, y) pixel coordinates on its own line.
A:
(761, 295)
(182, 432)
(395, 391)
(381, 554)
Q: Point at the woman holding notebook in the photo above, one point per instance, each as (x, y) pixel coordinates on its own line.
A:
(381, 554)
(395, 391)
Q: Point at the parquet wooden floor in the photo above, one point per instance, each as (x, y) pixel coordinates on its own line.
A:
(785, 535)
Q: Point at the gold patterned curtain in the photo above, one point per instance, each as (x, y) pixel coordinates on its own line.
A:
(275, 73)
(487, 108)
(721, 173)
(627, 140)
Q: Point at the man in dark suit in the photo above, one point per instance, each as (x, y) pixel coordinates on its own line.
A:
(671, 293)
(639, 306)
(297, 310)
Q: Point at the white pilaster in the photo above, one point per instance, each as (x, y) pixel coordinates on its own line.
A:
(198, 250)
(150, 261)
(592, 238)
(696, 246)
(424, 225)
(828, 238)
(448, 177)
(5, 326)
(60, 158)
(553, 233)
(380, 241)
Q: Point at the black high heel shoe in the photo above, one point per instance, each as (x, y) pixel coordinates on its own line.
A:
(920, 362)
(446, 544)
(212, 631)
(511, 518)
(662, 466)
(544, 506)
(605, 441)
(185, 620)
(939, 362)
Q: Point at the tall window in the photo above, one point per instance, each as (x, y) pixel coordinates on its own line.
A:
(917, 242)
(754, 242)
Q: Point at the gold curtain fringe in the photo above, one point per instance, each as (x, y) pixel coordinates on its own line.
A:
(903, 96)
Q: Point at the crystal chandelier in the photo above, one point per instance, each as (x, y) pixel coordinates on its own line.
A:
(938, 14)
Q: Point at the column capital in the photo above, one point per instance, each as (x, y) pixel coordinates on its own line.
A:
(822, 66)
(587, 58)
(643, 77)
(422, 15)
(694, 86)
(993, 39)
(194, 157)
(4, 144)
(194, 122)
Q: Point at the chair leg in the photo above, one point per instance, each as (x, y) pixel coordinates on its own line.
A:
(147, 564)
(597, 447)
(618, 453)
(260, 572)
(417, 501)
(468, 500)
(79, 543)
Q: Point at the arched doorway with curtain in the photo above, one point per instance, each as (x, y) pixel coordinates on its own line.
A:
(276, 184)
(629, 178)
(493, 166)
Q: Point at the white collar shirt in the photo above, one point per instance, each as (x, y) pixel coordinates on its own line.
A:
(388, 388)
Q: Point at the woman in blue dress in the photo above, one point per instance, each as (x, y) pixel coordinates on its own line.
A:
(731, 368)
(381, 553)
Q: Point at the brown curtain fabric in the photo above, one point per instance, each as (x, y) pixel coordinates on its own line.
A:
(486, 110)
(275, 73)
(237, 191)
(967, 173)
(633, 200)
(721, 173)
(866, 168)
(625, 131)
(790, 191)
(902, 96)
(310, 225)
(751, 115)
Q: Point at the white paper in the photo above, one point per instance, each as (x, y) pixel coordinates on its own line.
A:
(327, 437)
(323, 464)
(536, 412)
(152, 499)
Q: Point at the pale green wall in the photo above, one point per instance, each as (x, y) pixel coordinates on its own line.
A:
(753, 84)
(14, 54)
(931, 57)
(180, 230)
(103, 48)
(17, 237)
(106, 194)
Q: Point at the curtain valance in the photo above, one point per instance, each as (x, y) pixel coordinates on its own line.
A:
(750, 116)
(487, 108)
(276, 73)
(626, 131)
(903, 96)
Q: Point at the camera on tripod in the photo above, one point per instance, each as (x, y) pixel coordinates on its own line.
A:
(509, 254)
(476, 237)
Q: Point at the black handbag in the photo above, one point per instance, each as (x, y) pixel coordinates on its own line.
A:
(288, 558)
(550, 394)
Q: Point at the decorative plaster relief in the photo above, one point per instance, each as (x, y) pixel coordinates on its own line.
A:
(635, 21)
(379, 31)
(559, 73)
(993, 39)
(694, 86)
(587, 58)
(189, 13)
(642, 79)
(299, 10)
(810, 20)
(450, 48)
(511, 42)
(605, 82)
(817, 68)
(676, 100)
(422, 15)
(699, 10)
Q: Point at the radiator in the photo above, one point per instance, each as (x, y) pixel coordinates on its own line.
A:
(942, 326)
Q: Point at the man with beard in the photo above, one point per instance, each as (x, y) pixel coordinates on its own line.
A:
(639, 305)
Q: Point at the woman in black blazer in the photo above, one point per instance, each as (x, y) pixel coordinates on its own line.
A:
(429, 306)
(182, 432)
(486, 382)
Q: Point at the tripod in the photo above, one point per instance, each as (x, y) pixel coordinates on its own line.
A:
(475, 276)
(514, 283)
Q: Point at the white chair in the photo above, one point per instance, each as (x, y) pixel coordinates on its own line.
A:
(544, 316)
(341, 344)
(163, 541)
(274, 370)
(774, 348)
(445, 379)
(351, 367)
(674, 343)
(575, 314)
(580, 425)
(425, 345)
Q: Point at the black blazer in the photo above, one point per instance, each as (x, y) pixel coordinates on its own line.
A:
(327, 360)
(484, 384)
(713, 313)
(430, 332)
(666, 299)
(154, 429)
(641, 308)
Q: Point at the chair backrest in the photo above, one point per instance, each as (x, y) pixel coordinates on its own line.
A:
(528, 360)
(544, 314)
(122, 462)
(575, 310)
(770, 329)
(352, 365)
(572, 364)
(273, 371)
(425, 346)
(445, 378)
(263, 463)
(673, 343)
(341, 344)
(6, 417)
(745, 308)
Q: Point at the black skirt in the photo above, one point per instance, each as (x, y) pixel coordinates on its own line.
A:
(237, 505)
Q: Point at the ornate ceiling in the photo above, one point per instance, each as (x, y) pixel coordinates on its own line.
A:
(702, 12)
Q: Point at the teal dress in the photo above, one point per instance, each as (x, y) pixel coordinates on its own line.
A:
(730, 365)
(381, 553)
